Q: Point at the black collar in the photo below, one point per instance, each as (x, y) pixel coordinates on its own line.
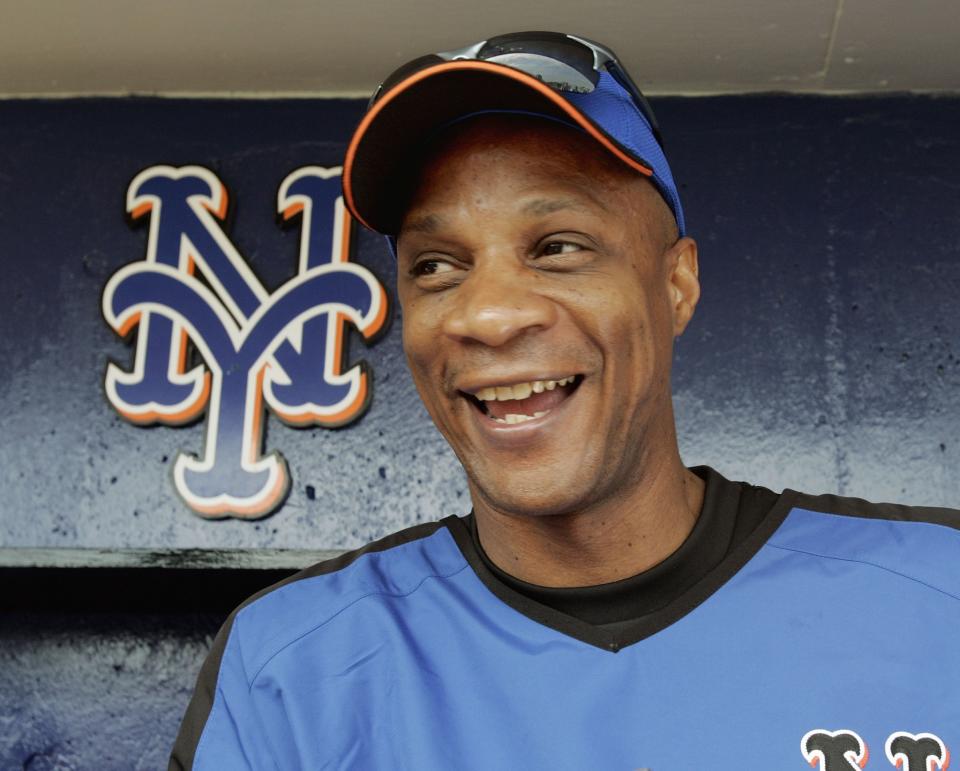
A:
(619, 613)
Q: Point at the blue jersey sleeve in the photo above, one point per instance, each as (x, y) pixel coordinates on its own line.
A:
(221, 728)
(233, 736)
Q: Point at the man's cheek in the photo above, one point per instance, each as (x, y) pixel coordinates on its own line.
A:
(418, 347)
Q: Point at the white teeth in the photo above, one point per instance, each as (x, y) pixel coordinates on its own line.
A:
(520, 390)
(512, 419)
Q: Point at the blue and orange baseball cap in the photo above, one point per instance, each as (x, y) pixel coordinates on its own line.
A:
(561, 77)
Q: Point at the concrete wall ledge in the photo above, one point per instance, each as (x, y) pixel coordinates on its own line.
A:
(243, 559)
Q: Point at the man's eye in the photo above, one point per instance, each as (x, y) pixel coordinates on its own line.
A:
(431, 267)
(560, 247)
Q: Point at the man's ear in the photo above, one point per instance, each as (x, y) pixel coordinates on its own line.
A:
(684, 282)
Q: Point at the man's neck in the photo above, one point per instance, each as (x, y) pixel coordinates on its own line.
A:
(604, 543)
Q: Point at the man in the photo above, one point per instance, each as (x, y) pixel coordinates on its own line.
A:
(602, 606)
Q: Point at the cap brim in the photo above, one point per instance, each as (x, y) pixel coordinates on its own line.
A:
(377, 164)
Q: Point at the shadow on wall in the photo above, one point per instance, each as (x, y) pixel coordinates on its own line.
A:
(96, 690)
(97, 665)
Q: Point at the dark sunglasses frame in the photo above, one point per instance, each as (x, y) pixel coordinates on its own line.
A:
(521, 50)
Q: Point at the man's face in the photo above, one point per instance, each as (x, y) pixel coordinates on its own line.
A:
(540, 293)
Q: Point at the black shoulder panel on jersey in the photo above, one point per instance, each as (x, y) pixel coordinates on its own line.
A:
(858, 507)
(198, 710)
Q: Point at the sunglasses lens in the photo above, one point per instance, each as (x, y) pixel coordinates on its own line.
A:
(555, 73)
(554, 58)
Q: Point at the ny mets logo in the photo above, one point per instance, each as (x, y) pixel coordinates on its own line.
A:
(284, 348)
(846, 751)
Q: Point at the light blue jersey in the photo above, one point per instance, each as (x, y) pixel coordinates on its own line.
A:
(828, 637)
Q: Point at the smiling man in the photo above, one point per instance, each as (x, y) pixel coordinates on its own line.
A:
(543, 283)
(602, 606)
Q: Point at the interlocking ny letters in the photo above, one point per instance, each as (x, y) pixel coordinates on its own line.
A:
(285, 348)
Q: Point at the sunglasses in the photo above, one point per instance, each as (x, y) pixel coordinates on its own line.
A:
(564, 62)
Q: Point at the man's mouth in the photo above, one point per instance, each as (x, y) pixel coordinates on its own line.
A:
(519, 402)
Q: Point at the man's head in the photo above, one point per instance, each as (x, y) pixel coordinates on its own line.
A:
(542, 282)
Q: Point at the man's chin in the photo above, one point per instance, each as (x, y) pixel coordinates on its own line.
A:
(526, 497)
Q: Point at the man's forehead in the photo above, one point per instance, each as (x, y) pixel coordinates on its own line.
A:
(543, 206)
(432, 222)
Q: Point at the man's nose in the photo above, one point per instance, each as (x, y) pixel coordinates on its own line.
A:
(498, 303)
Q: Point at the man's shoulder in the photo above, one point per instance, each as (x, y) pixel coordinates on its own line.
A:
(849, 506)
(920, 544)
(390, 568)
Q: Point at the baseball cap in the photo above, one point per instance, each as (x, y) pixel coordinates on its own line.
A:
(554, 75)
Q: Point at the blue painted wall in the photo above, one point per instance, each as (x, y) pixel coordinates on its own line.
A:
(823, 357)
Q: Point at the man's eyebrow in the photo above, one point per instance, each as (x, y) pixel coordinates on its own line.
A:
(426, 224)
(542, 206)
